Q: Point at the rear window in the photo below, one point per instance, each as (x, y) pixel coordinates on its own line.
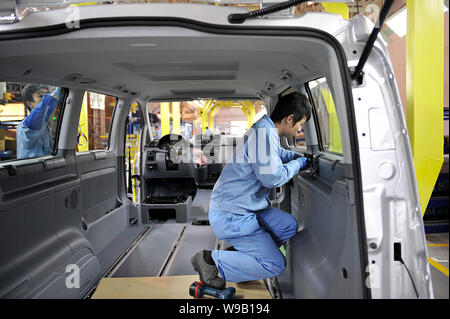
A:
(29, 117)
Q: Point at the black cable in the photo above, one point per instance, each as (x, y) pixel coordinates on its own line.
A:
(241, 17)
(412, 280)
(372, 38)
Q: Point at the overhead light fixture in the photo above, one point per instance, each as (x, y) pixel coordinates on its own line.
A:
(143, 45)
(398, 22)
(179, 62)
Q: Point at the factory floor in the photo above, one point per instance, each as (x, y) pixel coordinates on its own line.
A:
(437, 245)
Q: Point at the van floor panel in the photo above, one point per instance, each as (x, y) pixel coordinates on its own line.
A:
(150, 254)
(116, 248)
(195, 238)
(154, 252)
(163, 248)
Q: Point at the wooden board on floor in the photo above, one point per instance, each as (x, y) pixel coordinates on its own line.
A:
(171, 287)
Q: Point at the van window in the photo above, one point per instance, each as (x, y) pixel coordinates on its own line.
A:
(329, 130)
(300, 141)
(95, 121)
(29, 117)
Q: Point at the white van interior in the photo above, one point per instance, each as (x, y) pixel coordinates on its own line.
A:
(73, 207)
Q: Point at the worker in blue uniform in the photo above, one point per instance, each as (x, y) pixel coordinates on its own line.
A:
(208, 131)
(240, 210)
(34, 136)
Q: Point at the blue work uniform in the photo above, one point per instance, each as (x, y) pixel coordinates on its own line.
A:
(33, 133)
(240, 210)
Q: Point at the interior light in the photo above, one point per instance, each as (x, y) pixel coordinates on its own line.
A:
(398, 22)
(143, 45)
(179, 62)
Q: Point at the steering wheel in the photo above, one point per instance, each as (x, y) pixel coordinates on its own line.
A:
(177, 147)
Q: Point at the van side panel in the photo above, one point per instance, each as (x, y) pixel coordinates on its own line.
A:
(41, 223)
(323, 258)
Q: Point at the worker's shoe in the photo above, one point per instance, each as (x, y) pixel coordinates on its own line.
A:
(208, 273)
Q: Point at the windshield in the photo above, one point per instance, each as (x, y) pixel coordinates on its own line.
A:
(196, 117)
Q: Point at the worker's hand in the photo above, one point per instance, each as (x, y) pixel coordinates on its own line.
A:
(297, 155)
(303, 162)
(199, 157)
(56, 93)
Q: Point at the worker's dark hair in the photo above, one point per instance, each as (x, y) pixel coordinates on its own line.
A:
(29, 90)
(294, 103)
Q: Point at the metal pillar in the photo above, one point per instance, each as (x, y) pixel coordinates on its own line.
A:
(251, 113)
(425, 91)
(212, 115)
(176, 117)
(83, 129)
(165, 119)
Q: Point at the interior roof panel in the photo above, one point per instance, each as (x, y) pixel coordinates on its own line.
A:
(196, 62)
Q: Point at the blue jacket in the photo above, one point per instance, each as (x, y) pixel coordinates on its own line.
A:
(33, 133)
(258, 165)
(33, 143)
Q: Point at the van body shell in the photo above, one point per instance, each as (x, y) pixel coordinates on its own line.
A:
(376, 155)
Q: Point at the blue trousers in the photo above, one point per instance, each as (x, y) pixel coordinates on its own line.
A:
(257, 237)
